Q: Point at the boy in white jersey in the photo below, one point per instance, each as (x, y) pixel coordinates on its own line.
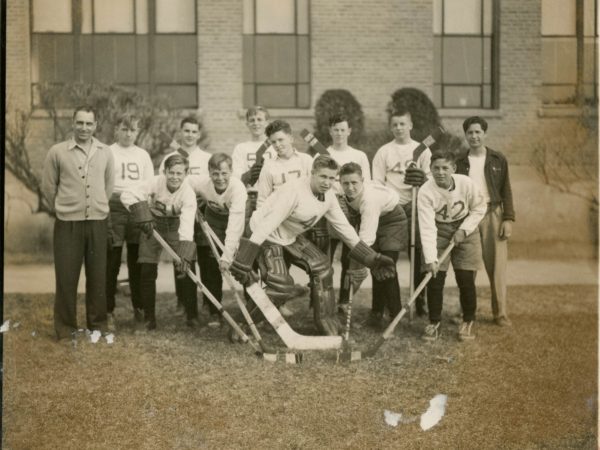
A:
(450, 207)
(168, 204)
(394, 166)
(190, 131)
(342, 153)
(132, 167)
(225, 200)
(277, 227)
(383, 227)
(288, 165)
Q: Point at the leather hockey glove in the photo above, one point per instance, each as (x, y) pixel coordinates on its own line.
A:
(186, 250)
(384, 273)
(246, 177)
(414, 176)
(241, 267)
(355, 275)
(255, 172)
(142, 217)
(370, 258)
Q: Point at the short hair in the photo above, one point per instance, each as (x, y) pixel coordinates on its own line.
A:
(443, 154)
(338, 118)
(475, 119)
(350, 168)
(85, 108)
(398, 113)
(254, 110)
(129, 120)
(217, 159)
(278, 125)
(325, 162)
(175, 159)
(192, 120)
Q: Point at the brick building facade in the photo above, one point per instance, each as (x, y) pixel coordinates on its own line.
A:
(371, 49)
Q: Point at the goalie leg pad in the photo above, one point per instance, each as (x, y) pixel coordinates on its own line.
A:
(319, 235)
(306, 255)
(275, 274)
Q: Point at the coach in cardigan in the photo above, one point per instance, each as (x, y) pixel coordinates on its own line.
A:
(77, 181)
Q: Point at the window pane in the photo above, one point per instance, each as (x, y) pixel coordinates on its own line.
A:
(141, 16)
(275, 16)
(303, 19)
(558, 17)
(142, 58)
(437, 60)
(303, 59)
(52, 15)
(248, 59)
(275, 59)
(462, 97)
(462, 60)
(437, 95)
(249, 95)
(248, 16)
(487, 60)
(175, 59)
(462, 16)
(175, 16)
(113, 16)
(589, 18)
(559, 60)
(589, 60)
(276, 96)
(114, 59)
(179, 96)
(86, 17)
(437, 16)
(487, 96)
(488, 16)
(86, 58)
(303, 96)
(52, 58)
(558, 94)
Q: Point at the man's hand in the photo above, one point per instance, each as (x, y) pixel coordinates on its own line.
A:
(414, 176)
(459, 236)
(432, 268)
(224, 265)
(241, 267)
(182, 267)
(147, 228)
(355, 276)
(505, 230)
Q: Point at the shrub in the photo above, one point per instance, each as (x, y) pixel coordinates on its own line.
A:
(339, 101)
(422, 110)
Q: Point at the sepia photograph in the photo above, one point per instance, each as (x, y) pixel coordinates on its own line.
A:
(300, 224)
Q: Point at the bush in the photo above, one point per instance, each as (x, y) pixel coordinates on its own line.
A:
(424, 115)
(158, 123)
(339, 101)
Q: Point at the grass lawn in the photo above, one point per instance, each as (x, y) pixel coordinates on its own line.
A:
(533, 385)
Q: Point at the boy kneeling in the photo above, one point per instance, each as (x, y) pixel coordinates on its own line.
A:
(450, 207)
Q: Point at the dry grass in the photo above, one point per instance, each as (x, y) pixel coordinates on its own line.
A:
(531, 386)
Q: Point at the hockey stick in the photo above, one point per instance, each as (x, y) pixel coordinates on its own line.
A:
(207, 293)
(355, 356)
(313, 142)
(212, 239)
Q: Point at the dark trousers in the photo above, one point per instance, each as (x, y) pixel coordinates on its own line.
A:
(465, 279)
(112, 273)
(77, 242)
(386, 293)
(210, 275)
(345, 261)
(185, 289)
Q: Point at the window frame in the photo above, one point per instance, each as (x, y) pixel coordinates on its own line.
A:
(151, 85)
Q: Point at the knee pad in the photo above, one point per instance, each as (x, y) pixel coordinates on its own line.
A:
(275, 274)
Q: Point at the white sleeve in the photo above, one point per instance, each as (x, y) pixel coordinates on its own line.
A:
(148, 167)
(477, 209)
(274, 212)
(379, 167)
(364, 165)
(139, 192)
(235, 222)
(427, 228)
(369, 221)
(264, 185)
(238, 165)
(424, 162)
(337, 219)
(187, 215)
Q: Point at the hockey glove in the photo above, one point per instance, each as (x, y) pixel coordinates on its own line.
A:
(369, 257)
(355, 275)
(186, 250)
(241, 267)
(246, 176)
(414, 176)
(384, 273)
(142, 217)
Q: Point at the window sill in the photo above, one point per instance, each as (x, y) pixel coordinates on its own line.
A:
(41, 113)
(464, 113)
(565, 111)
(283, 113)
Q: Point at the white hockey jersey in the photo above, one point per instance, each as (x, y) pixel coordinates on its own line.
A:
(132, 166)
(350, 155)
(197, 158)
(244, 157)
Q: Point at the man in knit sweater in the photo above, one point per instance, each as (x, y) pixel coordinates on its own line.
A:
(77, 182)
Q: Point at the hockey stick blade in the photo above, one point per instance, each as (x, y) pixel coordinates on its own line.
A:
(289, 337)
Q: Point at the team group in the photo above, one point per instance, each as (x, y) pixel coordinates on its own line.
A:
(268, 206)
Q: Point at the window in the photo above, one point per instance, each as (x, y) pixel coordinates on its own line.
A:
(276, 66)
(465, 54)
(146, 44)
(569, 52)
